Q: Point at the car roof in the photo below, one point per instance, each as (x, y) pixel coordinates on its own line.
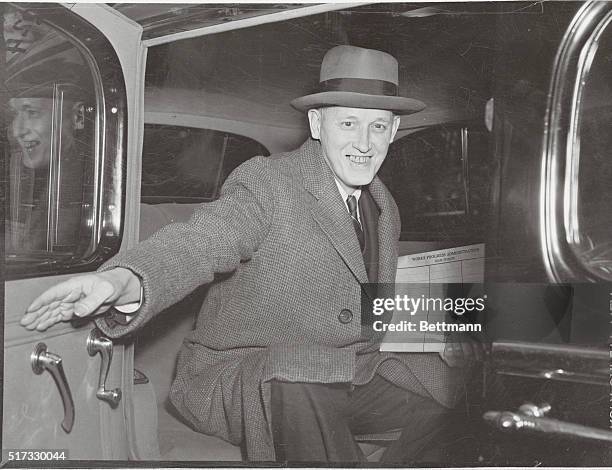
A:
(242, 64)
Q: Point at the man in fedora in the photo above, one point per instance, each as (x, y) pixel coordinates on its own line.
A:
(50, 140)
(278, 361)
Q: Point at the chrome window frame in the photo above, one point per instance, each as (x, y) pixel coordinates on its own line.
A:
(110, 143)
(558, 226)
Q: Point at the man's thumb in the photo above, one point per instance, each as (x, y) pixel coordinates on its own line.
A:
(90, 303)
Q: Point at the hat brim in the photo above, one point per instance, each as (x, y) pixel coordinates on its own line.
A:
(397, 104)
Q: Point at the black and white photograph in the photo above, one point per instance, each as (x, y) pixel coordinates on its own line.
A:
(358, 235)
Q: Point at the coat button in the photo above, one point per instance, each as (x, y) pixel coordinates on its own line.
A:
(345, 316)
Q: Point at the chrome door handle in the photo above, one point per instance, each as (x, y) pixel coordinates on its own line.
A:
(96, 343)
(531, 417)
(42, 360)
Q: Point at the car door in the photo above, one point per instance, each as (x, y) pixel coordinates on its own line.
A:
(66, 390)
(547, 383)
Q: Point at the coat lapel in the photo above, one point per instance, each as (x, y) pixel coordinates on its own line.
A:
(388, 232)
(328, 209)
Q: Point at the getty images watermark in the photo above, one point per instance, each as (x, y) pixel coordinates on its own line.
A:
(428, 307)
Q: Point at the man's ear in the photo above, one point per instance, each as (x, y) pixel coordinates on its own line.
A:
(78, 116)
(396, 123)
(314, 119)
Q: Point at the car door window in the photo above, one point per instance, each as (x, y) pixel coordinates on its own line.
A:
(590, 164)
(56, 120)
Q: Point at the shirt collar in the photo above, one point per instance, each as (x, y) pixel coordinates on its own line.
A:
(344, 194)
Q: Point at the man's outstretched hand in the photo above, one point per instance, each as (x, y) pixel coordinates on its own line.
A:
(464, 350)
(90, 294)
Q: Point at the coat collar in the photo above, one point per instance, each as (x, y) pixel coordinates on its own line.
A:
(329, 211)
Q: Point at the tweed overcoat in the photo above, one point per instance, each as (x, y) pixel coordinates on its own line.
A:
(280, 250)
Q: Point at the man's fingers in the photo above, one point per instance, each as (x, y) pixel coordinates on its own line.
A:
(31, 316)
(32, 319)
(468, 352)
(472, 349)
(36, 321)
(457, 351)
(49, 321)
(56, 293)
(48, 302)
(79, 296)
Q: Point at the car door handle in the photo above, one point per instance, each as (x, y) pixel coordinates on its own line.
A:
(531, 418)
(42, 360)
(97, 343)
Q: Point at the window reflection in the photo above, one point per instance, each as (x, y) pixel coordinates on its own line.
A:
(50, 129)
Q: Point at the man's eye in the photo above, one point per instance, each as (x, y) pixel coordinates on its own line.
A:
(33, 113)
(379, 126)
(347, 124)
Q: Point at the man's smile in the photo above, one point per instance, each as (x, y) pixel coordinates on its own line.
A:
(30, 145)
(359, 159)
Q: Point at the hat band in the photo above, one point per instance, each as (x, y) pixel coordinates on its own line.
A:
(366, 86)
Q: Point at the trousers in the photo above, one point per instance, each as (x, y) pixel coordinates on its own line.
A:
(314, 422)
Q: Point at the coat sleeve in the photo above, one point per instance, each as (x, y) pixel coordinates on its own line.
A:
(218, 237)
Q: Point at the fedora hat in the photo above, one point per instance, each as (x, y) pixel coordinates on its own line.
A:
(41, 79)
(355, 77)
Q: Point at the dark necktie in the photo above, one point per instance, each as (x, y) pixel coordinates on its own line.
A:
(351, 202)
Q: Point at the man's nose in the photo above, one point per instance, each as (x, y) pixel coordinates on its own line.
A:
(363, 141)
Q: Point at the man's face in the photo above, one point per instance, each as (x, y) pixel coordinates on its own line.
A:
(354, 141)
(32, 127)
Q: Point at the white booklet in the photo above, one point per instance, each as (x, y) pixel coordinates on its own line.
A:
(426, 276)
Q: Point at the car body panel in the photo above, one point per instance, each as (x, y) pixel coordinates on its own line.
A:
(33, 408)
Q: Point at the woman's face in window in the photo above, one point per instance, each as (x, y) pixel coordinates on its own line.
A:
(32, 129)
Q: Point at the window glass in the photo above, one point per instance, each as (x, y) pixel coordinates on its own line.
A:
(591, 161)
(182, 164)
(51, 120)
(439, 179)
